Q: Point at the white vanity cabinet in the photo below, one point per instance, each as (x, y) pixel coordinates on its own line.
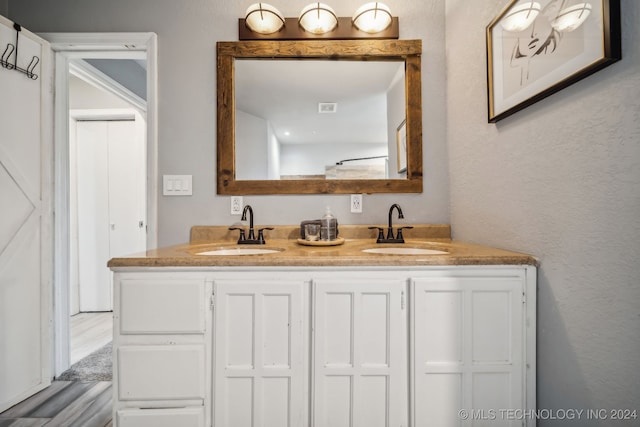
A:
(259, 353)
(313, 346)
(162, 350)
(359, 352)
(262, 362)
(473, 347)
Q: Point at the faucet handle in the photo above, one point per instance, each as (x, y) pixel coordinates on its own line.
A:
(399, 235)
(261, 234)
(380, 233)
(242, 237)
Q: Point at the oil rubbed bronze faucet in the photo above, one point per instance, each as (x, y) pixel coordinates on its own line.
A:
(251, 238)
(398, 238)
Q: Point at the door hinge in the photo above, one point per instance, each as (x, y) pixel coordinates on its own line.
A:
(212, 301)
(402, 301)
(524, 298)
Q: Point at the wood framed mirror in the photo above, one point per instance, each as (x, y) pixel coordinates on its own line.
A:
(405, 133)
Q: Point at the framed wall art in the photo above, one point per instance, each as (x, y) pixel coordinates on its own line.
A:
(536, 48)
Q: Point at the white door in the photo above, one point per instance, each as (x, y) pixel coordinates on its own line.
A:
(259, 350)
(360, 353)
(110, 200)
(25, 220)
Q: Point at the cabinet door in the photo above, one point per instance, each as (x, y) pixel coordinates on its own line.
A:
(259, 353)
(360, 344)
(468, 350)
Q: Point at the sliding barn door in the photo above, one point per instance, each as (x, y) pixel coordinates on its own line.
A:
(25, 219)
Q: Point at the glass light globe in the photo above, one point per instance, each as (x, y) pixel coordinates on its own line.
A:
(263, 18)
(318, 18)
(372, 17)
(520, 17)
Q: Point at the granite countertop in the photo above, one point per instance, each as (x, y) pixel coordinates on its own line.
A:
(292, 253)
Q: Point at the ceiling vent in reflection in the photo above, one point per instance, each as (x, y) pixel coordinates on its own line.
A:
(327, 107)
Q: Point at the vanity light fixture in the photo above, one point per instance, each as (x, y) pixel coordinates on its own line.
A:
(571, 17)
(318, 18)
(263, 18)
(319, 21)
(520, 17)
(372, 17)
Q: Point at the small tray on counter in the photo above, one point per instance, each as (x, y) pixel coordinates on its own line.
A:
(336, 242)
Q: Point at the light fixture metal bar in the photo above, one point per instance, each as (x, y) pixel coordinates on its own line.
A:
(375, 10)
(344, 31)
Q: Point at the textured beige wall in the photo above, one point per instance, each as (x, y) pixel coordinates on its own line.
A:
(187, 32)
(559, 180)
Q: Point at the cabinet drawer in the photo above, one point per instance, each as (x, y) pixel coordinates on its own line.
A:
(161, 372)
(172, 417)
(168, 306)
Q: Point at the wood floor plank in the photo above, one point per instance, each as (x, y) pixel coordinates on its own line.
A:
(61, 401)
(89, 332)
(98, 414)
(69, 403)
(87, 402)
(65, 404)
(23, 422)
(26, 407)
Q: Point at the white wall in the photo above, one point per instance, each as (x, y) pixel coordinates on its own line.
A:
(83, 95)
(251, 158)
(187, 32)
(559, 180)
(395, 116)
(273, 152)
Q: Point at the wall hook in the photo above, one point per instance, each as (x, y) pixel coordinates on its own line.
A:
(13, 50)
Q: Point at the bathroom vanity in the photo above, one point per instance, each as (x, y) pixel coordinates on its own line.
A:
(323, 335)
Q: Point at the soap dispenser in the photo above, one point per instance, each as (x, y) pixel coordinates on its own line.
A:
(329, 226)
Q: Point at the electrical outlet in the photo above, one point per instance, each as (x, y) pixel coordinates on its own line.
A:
(236, 205)
(356, 203)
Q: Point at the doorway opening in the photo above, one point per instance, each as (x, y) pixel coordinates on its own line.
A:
(88, 133)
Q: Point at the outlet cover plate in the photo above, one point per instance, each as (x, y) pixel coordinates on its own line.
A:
(236, 205)
(356, 203)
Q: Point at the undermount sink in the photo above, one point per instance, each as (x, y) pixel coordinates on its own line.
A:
(404, 251)
(241, 251)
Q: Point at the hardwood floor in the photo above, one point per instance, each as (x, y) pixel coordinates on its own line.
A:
(71, 403)
(89, 332)
(64, 404)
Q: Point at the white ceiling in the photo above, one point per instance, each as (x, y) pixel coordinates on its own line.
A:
(287, 93)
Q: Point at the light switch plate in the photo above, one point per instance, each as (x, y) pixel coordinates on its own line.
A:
(177, 185)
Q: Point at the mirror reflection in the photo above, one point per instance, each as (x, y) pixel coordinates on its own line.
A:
(403, 125)
(319, 119)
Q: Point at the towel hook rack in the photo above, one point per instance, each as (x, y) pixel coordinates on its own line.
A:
(13, 50)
